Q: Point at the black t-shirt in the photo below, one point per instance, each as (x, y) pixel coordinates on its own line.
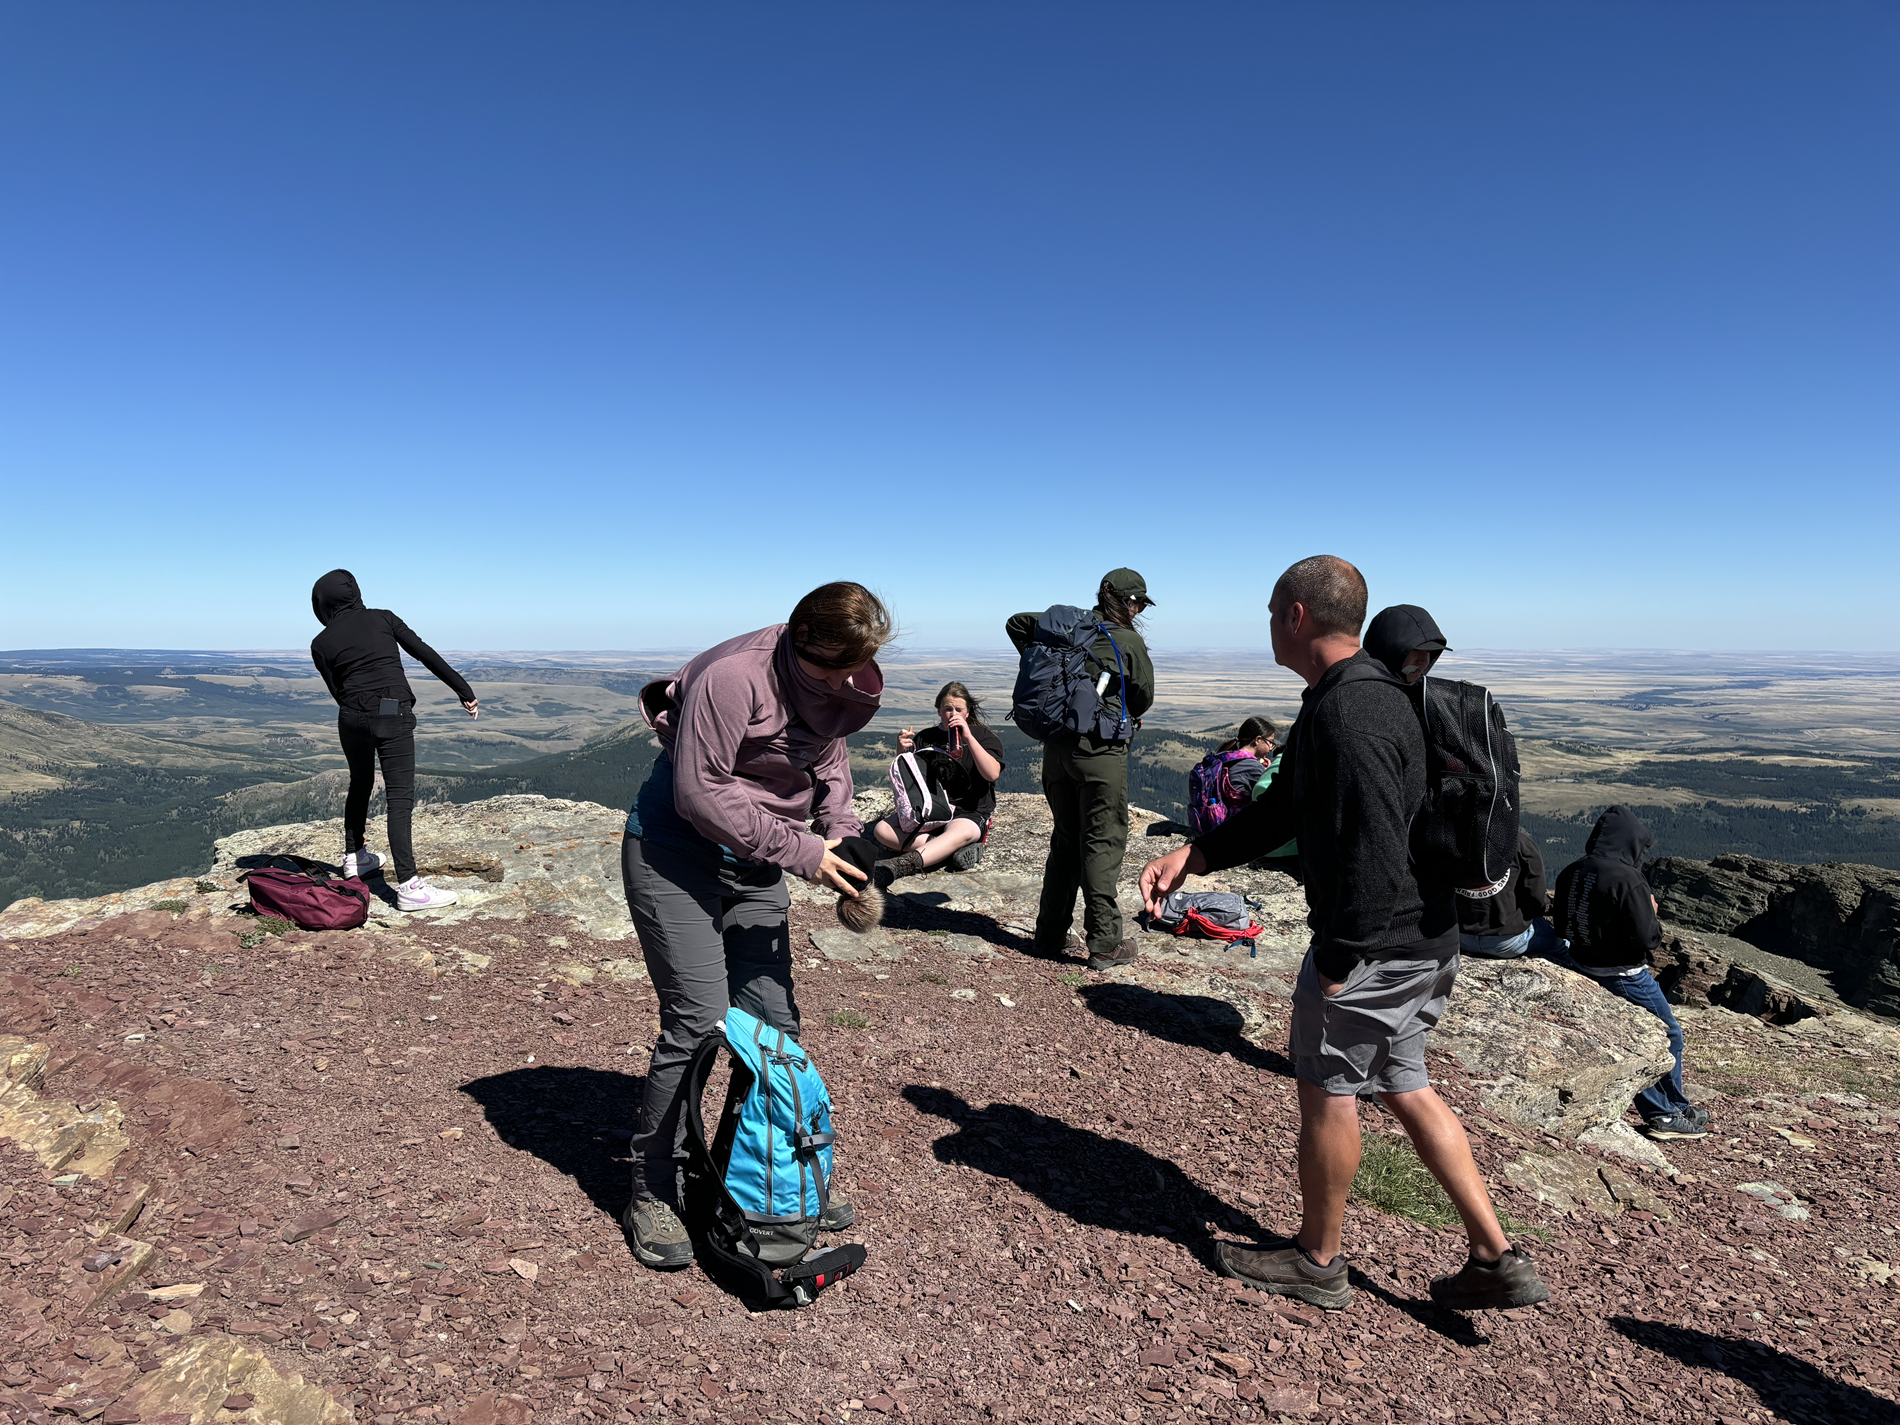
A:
(958, 776)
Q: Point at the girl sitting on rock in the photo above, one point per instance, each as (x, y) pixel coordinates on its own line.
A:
(1233, 774)
(752, 781)
(967, 761)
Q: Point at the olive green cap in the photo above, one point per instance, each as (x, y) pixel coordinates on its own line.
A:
(1128, 584)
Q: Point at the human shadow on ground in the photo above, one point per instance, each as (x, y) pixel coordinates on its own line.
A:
(1105, 1182)
(1794, 1389)
(1454, 1326)
(1086, 1176)
(920, 908)
(572, 1118)
(1193, 1021)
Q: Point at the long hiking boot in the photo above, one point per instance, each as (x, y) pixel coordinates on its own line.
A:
(1687, 1124)
(895, 868)
(659, 1237)
(1287, 1272)
(837, 1216)
(1492, 1286)
(1123, 954)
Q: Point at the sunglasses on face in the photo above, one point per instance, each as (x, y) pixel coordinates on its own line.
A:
(830, 664)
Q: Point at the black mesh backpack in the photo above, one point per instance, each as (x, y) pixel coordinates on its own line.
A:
(1467, 829)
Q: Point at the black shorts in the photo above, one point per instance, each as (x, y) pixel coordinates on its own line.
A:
(982, 820)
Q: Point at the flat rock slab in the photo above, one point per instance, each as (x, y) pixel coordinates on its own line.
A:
(105, 1266)
(506, 858)
(842, 944)
(53, 1130)
(196, 1380)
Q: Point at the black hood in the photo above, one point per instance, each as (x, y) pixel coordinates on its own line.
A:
(1396, 631)
(1620, 835)
(335, 593)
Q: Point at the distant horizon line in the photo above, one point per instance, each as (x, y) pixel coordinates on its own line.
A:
(690, 649)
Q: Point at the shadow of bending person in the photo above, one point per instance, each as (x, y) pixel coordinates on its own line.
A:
(1087, 1177)
(1795, 1390)
(578, 1120)
(1193, 1021)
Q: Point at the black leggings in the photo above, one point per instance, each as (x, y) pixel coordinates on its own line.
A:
(366, 738)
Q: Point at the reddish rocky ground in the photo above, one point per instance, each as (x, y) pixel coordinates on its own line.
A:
(1040, 1172)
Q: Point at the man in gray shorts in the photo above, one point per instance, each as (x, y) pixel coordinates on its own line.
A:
(1384, 952)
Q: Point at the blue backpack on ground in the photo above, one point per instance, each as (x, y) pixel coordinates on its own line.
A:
(1056, 689)
(755, 1190)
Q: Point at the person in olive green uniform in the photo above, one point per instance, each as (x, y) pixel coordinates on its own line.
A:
(1085, 779)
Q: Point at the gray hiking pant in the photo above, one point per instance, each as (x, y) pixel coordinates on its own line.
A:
(713, 936)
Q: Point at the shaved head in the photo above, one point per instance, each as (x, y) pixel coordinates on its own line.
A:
(1331, 590)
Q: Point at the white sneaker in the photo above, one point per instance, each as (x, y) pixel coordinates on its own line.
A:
(417, 894)
(360, 863)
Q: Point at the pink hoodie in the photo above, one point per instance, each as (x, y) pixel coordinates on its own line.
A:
(758, 750)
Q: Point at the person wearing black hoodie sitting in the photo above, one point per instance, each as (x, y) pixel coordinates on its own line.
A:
(359, 654)
(1506, 920)
(1606, 913)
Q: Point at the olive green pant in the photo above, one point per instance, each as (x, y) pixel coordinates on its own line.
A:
(1086, 782)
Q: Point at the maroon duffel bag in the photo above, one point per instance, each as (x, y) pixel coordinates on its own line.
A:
(311, 899)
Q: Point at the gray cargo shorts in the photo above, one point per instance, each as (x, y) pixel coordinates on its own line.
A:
(1370, 1037)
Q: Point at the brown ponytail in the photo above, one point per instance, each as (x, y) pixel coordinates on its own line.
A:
(1250, 730)
(1117, 610)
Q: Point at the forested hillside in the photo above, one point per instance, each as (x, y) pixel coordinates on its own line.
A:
(112, 825)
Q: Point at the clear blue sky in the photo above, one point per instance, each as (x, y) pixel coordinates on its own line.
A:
(613, 326)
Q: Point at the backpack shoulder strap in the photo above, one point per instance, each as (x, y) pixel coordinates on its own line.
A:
(720, 1233)
(1121, 673)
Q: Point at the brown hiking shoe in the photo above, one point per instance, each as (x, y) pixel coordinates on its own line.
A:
(895, 868)
(1123, 954)
(659, 1238)
(1286, 1272)
(1492, 1286)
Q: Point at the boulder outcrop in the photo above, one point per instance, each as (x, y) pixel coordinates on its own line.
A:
(1843, 920)
(1550, 1050)
(506, 858)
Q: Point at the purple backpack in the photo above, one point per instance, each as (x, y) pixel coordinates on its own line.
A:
(1212, 795)
(309, 899)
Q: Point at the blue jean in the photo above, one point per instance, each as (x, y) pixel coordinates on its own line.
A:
(1640, 989)
(1537, 938)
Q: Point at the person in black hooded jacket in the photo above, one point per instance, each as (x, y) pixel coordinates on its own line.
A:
(1406, 640)
(1503, 921)
(359, 655)
(1606, 913)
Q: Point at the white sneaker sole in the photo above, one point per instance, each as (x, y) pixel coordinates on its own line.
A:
(438, 903)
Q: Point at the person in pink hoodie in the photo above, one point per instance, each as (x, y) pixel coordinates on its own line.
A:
(752, 781)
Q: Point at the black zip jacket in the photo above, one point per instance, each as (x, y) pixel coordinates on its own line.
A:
(1350, 782)
(359, 653)
(1509, 909)
(1603, 903)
